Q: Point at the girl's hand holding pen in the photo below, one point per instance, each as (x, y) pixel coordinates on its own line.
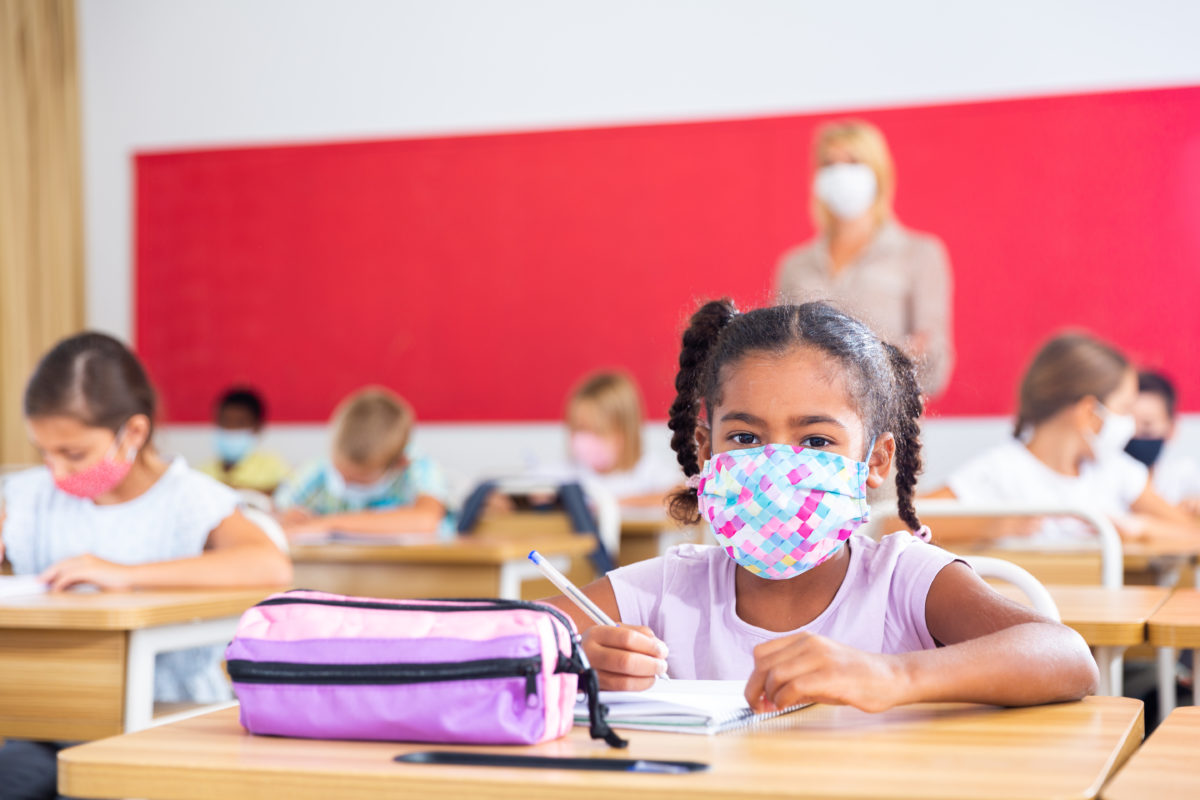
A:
(627, 658)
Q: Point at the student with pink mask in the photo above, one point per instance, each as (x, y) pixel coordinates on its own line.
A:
(107, 510)
(604, 422)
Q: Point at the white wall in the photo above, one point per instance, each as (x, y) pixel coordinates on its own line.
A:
(216, 72)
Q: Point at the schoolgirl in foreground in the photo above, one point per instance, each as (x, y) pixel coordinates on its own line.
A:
(784, 417)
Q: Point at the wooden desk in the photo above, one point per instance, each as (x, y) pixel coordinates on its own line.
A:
(1109, 620)
(79, 666)
(926, 751)
(1174, 626)
(465, 567)
(650, 532)
(1164, 558)
(1164, 768)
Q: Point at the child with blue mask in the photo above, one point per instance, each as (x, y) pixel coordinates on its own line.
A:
(241, 463)
(372, 481)
(1074, 421)
(784, 418)
(1173, 474)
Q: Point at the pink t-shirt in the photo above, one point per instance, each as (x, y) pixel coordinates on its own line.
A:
(687, 598)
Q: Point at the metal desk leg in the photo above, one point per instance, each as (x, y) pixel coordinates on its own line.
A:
(145, 644)
(511, 575)
(1196, 676)
(1166, 681)
(1111, 661)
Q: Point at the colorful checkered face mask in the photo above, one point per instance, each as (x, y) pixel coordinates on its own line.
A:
(778, 510)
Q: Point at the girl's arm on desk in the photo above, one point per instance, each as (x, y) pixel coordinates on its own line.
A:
(237, 553)
(996, 651)
(425, 515)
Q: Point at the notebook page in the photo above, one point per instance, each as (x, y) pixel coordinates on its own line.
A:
(683, 706)
(20, 585)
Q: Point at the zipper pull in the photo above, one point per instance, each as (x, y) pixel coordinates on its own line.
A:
(531, 695)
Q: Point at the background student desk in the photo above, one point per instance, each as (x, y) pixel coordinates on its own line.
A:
(1109, 620)
(957, 751)
(1175, 626)
(1164, 768)
(80, 665)
(469, 566)
(648, 532)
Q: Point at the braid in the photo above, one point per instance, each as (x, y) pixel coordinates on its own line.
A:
(698, 340)
(907, 410)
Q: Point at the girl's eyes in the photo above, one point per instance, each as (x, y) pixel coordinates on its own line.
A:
(750, 440)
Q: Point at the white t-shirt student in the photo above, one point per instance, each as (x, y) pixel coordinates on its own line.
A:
(171, 520)
(1176, 477)
(1009, 473)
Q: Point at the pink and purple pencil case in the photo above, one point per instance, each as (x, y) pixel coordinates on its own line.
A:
(316, 665)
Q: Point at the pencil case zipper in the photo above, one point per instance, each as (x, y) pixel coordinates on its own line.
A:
(574, 663)
(276, 672)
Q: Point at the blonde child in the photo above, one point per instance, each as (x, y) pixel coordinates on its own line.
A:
(604, 423)
(241, 463)
(1074, 420)
(784, 417)
(107, 510)
(371, 483)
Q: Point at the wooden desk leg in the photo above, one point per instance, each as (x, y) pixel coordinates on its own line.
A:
(1166, 682)
(145, 644)
(1111, 661)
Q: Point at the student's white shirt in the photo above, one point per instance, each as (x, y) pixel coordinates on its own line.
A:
(1009, 473)
(1176, 477)
(650, 474)
(170, 520)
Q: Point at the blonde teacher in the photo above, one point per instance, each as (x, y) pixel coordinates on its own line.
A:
(866, 262)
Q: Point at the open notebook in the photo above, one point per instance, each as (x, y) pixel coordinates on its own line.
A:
(681, 706)
(19, 585)
(377, 539)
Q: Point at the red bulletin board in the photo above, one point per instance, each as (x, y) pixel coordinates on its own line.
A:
(481, 276)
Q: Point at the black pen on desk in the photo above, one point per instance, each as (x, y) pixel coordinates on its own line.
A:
(461, 758)
(574, 593)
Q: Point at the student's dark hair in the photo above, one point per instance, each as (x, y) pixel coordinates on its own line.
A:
(1150, 382)
(880, 378)
(244, 397)
(93, 378)
(1068, 368)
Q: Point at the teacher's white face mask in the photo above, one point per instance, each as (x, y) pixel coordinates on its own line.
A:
(847, 190)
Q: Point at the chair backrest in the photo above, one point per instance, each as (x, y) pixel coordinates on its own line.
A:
(588, 508)
(999, 569)
(268, 525)
(1112, 566)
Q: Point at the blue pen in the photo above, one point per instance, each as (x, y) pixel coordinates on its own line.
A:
(573, 592)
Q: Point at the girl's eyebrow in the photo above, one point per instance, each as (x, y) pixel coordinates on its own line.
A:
(793, 422)
(814, 419)
(742, 416)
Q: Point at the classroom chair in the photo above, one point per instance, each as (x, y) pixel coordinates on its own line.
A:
(1070, 566)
